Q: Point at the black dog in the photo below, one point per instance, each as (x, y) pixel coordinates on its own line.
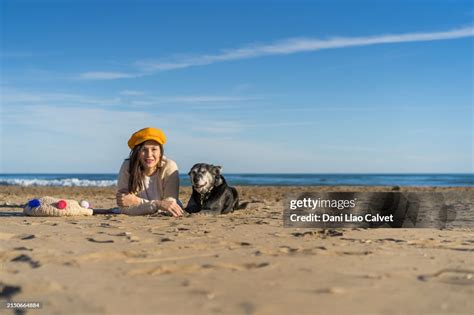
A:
(211, 192)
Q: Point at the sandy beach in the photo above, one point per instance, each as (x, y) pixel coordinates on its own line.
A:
(242, 263)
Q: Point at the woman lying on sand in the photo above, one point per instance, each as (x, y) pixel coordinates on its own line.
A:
(148, 181)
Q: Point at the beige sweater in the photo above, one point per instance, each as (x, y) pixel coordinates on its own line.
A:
(162, 185)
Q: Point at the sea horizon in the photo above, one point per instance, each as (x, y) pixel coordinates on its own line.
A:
(254, 179)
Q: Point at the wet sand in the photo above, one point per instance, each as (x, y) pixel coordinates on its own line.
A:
(242, 263)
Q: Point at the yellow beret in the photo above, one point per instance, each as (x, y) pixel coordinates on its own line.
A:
(145, 134)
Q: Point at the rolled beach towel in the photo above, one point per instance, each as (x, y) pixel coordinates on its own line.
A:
(54, 207)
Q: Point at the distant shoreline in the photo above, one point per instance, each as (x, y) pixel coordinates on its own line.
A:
(110, 180)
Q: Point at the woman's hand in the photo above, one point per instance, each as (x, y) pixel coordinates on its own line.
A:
(127, 200)
(170, 206)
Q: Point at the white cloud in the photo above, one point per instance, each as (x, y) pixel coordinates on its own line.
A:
(203, 99)
(104, 75)
(296, 45)
(131, 92)
(283, 47)
(13, 96)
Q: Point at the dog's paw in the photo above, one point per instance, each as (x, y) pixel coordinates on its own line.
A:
(208, 212)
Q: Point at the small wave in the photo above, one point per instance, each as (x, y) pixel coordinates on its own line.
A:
(66, 182)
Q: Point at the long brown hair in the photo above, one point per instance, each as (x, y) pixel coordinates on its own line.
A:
(136, 170)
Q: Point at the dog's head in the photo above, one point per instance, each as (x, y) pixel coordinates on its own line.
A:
(204, 177)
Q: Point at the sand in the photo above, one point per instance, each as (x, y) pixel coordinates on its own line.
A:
(242, 263)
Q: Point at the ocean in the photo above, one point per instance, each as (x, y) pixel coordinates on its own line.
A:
(106, 180)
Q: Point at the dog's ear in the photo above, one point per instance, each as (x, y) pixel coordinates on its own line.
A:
(217, 173)
(217, 170)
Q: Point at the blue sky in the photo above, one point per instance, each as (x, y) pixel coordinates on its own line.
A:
(264, 86)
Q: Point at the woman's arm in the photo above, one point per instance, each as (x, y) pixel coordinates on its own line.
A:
(129, 203)
(170, 189)
(171, 181)
(148, 207)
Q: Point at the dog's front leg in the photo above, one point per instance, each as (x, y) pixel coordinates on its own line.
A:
(208, 212)
(228, 204)
(211, 208)
(192, 206)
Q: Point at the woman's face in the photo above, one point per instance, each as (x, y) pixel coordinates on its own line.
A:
(150, 154)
